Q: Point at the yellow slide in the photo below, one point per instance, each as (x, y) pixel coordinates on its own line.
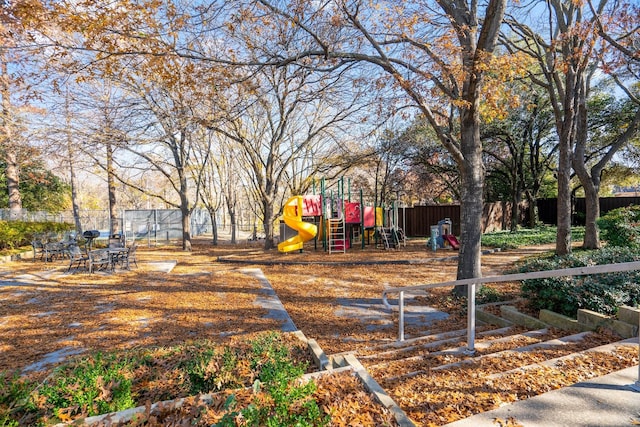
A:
(292, 214)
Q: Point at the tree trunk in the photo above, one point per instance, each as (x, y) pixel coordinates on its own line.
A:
(231, 210)
(533, 209)
(590, 181)
(13, 185)
(75, 206)
(515, 208)
(186, 227)
(592, 203)
(214, 226)
(73, 180)
(7, 146)
(186, 213)
(234, 230)
(114, 226)
(185, 209)
(269, 219)
(471, 202)
(566, 132)
(563, 237)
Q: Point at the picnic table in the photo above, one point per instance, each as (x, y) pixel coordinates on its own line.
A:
(108, 258)
(49, 246)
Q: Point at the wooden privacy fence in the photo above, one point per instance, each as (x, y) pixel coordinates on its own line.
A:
(417, 221)
(547, 208)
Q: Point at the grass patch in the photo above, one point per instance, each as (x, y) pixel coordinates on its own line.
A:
(527, 237)
(269, 363)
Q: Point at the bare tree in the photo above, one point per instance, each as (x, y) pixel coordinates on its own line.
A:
(166, 146)
(436, 53)
(233, 180)
(17, 70)
(291, 111)
(10, 150)
(99, 114)
(71, 159)
(211, 193)
(567, 60)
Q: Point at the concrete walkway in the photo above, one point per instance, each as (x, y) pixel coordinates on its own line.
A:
(268, 299)
(608, 401)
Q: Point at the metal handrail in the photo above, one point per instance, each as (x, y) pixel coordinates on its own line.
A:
(471, 294)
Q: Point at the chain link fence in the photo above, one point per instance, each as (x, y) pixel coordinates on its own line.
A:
(154, 225)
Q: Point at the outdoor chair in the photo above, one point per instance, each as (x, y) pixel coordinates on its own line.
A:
(125, 258)
(119, 256)
(38, 249)
(54, 250)
(129, 256)
(99, 259)
(77, 258)
(116, 241)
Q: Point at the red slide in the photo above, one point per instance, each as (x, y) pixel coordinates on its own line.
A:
(452, 241)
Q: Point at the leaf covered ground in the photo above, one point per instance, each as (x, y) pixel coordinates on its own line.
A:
(47, 313)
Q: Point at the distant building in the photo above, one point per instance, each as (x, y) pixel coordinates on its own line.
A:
(626, 191)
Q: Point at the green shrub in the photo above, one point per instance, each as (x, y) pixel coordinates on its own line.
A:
(621, 227)
(486, 295)
(14, 234)
(14, 396)
(211, 370)
(603, 293)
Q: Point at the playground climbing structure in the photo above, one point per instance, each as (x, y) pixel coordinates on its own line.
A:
(338, 222)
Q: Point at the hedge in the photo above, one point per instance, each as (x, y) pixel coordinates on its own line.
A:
(602, 293)
(14, 234)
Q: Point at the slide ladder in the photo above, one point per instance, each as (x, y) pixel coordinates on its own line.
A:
(357, 235)
(337, 236)
(387, 237)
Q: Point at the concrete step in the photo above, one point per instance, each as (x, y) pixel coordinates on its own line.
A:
(433, 341)
(507, 354)
(440, 343)
(555, 362)
(395, 344)
(457, 357)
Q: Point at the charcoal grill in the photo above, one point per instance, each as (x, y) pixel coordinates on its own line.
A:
(90, 236)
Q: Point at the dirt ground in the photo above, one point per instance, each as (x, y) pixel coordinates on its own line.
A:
(47, 314)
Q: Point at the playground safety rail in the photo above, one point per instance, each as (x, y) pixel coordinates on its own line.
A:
(471, 294)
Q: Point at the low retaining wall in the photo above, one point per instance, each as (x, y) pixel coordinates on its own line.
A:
(626, 325)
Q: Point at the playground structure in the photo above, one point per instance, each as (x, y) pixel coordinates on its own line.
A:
(338, 222)
(441, 236)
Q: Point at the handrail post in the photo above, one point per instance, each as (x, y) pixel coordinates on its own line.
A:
(471, 318)
(636, 385)
(401, 316)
